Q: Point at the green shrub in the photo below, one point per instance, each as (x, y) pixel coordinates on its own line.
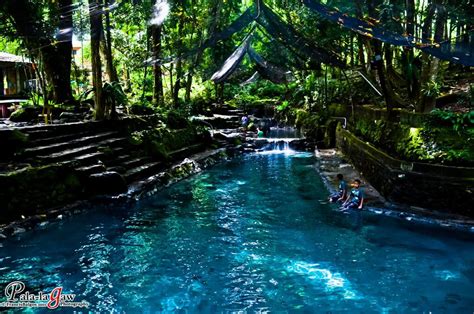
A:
(177, 119)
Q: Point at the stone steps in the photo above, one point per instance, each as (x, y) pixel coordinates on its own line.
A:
(91, 169)
(94, 150)
(186, 151)
(78, 151)
(91, 163)
(65, 145)
(47, 139)
(126, 163)
(142, 171)
(39, 132)
(142, 167)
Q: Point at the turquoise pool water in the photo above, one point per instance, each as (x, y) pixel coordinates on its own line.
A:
(252, 234)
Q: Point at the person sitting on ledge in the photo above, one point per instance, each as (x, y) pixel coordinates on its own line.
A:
(356, 198)
(341, 194)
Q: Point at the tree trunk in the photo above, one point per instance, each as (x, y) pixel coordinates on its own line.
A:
(96, 34)
(157, 71)
(57, 58)
(379, 64)
(408, 54)
(430, 102)
(426, 70)
(179, 63)
(111, 71)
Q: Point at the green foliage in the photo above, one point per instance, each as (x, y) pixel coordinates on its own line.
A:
(458, 121)
(283, 105)
(113, 94)
(152, 141)
(177, 119)
(431, 89)
(430, 143)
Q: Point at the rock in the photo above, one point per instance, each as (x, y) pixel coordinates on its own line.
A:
(71, 116)
(26, 114)
(17, 230)
(109, 182)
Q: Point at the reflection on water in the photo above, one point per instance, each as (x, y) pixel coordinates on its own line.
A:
(253, 234)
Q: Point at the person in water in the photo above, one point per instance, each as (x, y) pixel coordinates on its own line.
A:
(266, 127)
(356, 198)
(341, 194)
(260, 133)
(245, 121)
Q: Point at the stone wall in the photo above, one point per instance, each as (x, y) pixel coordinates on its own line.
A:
(33, 190)
(33, 185)
(412, 119)
(413, 136)
(443, 188)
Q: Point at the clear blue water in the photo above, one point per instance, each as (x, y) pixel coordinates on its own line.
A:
(251, 234)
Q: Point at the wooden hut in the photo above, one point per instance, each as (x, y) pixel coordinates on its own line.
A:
(15, 72)
(16, 76)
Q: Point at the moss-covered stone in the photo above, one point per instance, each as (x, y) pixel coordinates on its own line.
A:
(426, 143)
(32, 190)
(24, 114)
(411, 183)
(13, 141)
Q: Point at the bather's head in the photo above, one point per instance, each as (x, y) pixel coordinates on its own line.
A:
(356, 183)
(340, 176)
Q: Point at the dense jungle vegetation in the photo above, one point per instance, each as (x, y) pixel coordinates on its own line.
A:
(146, 56)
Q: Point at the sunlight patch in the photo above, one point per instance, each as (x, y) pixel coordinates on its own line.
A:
(331, 281)
(161, 9)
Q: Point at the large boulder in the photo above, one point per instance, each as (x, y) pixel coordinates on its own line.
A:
(108, 182)
(25, 114)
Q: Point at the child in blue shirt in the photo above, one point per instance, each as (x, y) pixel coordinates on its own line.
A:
(356, 198)
(341, 194)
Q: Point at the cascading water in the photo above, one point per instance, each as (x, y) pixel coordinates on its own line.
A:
(279, 145)
(284, 132)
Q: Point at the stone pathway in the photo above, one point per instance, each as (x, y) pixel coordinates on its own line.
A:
(331, 162)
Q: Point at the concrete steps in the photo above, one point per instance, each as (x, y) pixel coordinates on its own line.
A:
(79, 150)
(59, 146)
(143, 171)
(94, 149)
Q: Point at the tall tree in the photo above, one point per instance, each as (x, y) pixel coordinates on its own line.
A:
(95, 17)
(111, 71)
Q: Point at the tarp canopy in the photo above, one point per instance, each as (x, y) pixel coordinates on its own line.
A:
(251, 79)
(461, 51)
(242, 22)
(303, 48)
(232, 62)
(268, 70)
(299, 45)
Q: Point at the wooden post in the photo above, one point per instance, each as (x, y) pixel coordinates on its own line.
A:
(2, 87)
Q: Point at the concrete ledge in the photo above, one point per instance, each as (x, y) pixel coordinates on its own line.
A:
(444, 188)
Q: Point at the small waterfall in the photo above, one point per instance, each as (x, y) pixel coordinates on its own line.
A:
(279, 145)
